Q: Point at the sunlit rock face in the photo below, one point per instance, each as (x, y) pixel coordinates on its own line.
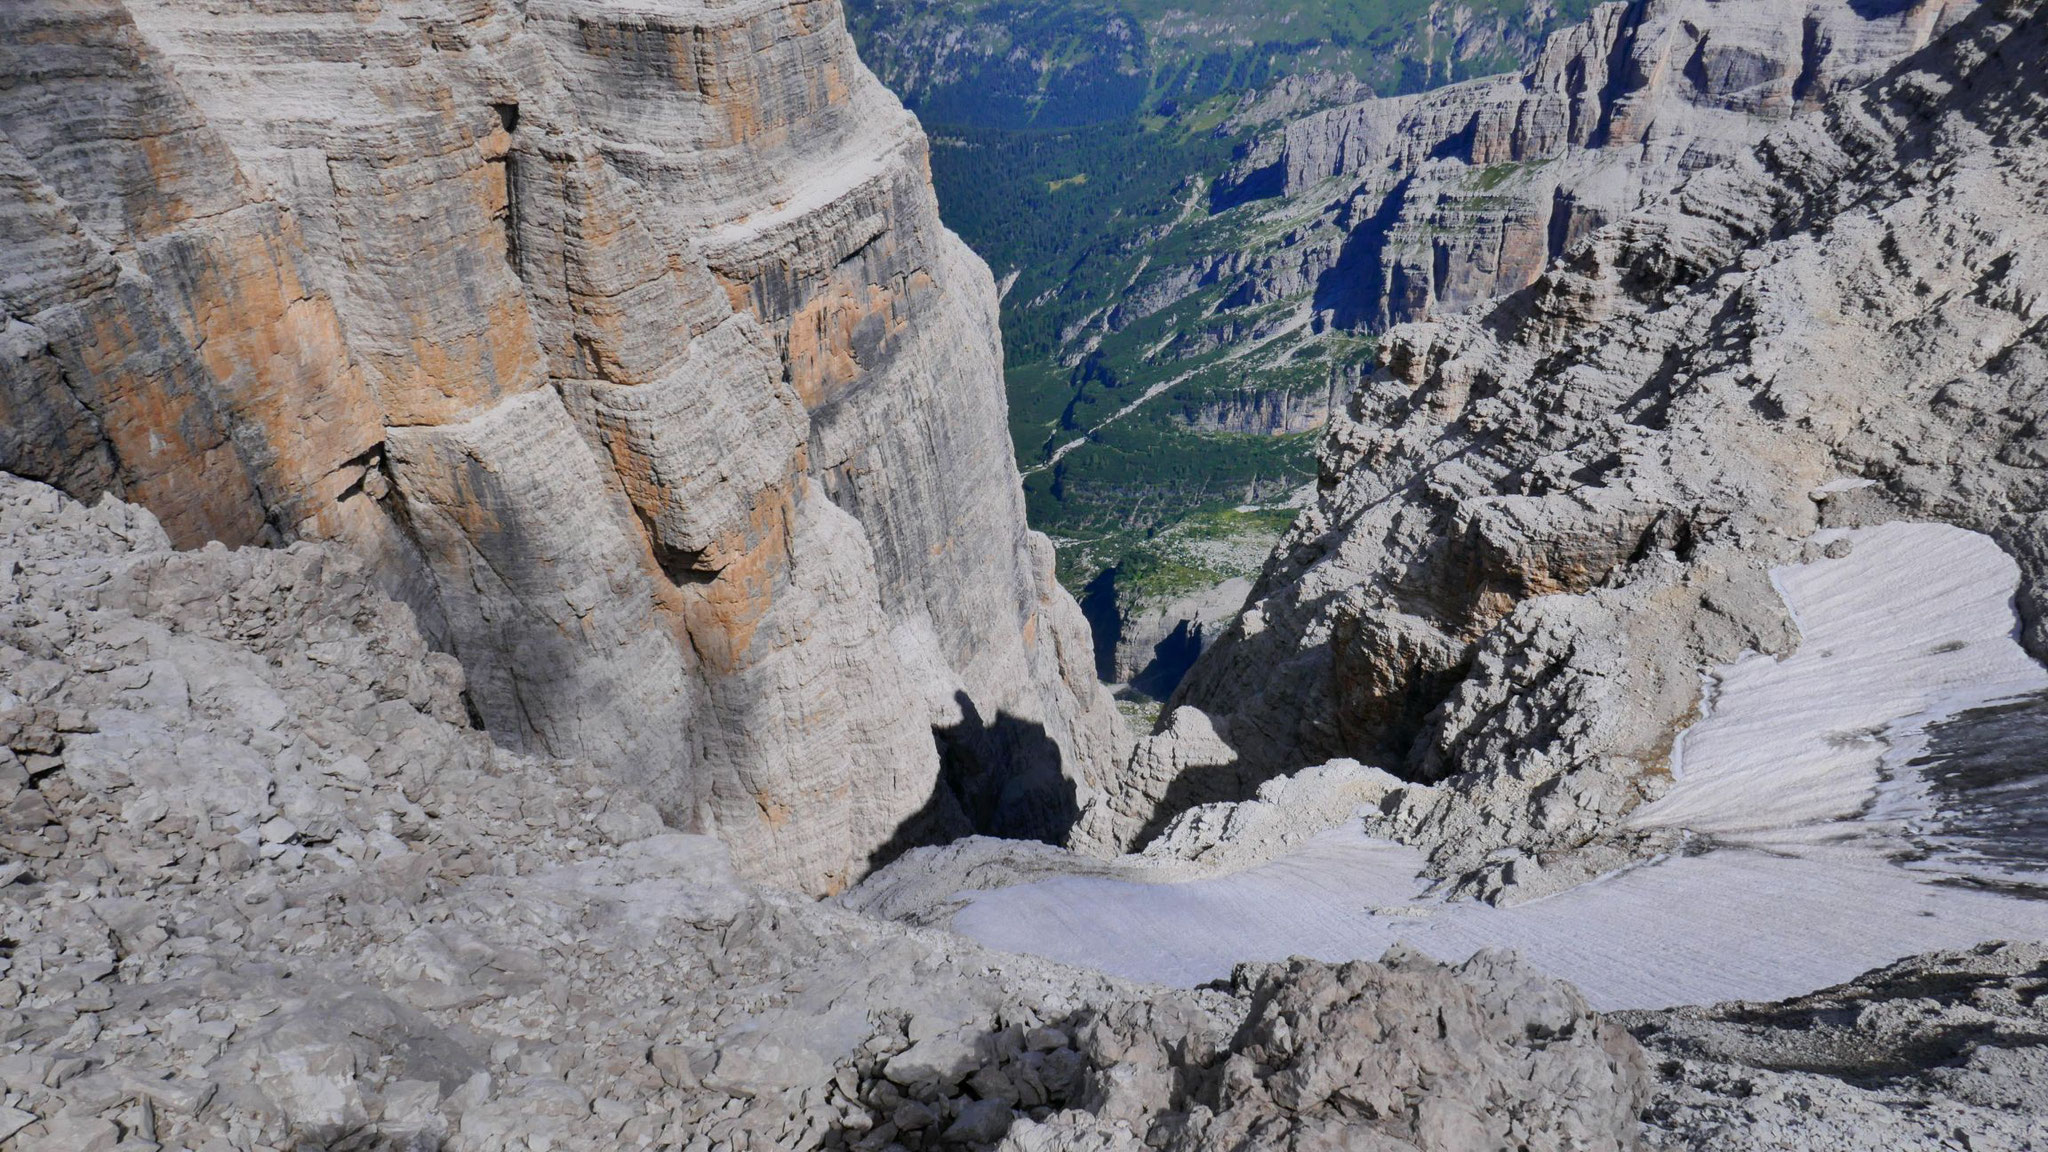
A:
(1429, 204)
(625, 341)
(1536, 524)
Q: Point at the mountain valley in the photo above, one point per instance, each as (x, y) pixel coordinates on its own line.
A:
(1189, 294)
(1077, 145)
(549, 602)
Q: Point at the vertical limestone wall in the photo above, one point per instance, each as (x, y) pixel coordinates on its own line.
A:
(624, 338)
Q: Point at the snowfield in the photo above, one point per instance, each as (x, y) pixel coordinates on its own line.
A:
(1797, 777)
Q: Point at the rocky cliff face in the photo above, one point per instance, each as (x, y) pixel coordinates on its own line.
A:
(624, 340)
(1537, 524)
(1380, 211)
(1451, 198)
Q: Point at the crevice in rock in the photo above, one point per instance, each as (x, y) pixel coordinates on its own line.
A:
(1105, 622)
(374, 481)
(508, 176)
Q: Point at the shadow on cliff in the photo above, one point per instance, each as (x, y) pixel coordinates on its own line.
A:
(1356, 291)
(1267, 183)
(1171, 659)
(1198, 784)
(1002, 779)
(1105, 622)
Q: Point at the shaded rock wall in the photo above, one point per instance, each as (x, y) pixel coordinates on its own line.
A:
(623, 339)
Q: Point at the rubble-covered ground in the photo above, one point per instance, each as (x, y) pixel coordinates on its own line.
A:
(262, 887)
(1942, 1051)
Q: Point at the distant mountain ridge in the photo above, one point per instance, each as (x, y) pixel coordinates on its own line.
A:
(1051, 64)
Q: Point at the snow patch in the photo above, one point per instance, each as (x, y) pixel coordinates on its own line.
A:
(1802, 890)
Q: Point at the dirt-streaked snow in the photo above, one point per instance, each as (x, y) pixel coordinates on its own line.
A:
(1916, 623)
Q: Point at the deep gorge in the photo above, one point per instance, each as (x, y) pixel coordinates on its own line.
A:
(521, 623)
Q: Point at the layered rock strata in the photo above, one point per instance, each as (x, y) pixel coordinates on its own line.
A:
(262, 886)
(1386, 210)
(623, 340)
(1451, 198)
(1536, 525)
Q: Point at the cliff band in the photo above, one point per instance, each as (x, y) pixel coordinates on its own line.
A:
(622, 338)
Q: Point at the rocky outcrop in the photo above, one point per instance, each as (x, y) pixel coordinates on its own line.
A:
(1904, 1057)
(624, 341)
(261, 884)
(1336, 1057)
(1537, 525)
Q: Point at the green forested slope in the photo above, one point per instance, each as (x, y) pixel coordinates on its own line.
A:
(1076, 140)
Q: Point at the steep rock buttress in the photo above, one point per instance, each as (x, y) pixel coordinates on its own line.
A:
(623, 339)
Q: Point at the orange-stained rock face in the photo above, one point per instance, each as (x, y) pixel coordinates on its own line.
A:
(215, 374)
(827, 336)
(273, 347)
(622, 338)
(724, 613)
(149, 402)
